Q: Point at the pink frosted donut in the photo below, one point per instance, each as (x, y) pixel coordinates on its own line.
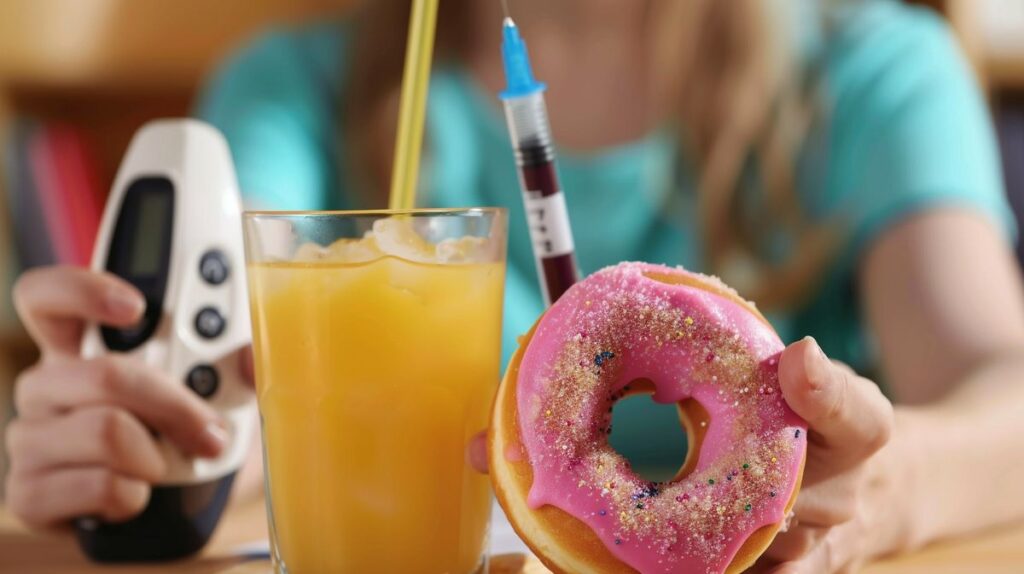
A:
(689, 340)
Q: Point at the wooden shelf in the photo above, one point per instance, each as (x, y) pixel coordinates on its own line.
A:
(141, 44)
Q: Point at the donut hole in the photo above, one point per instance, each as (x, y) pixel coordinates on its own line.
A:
(660, 441)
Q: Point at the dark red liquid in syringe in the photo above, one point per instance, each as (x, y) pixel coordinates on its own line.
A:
(549, 223)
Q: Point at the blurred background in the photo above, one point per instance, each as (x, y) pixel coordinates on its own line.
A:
(78, 77)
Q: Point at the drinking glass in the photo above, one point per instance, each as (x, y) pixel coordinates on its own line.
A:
(377, 353)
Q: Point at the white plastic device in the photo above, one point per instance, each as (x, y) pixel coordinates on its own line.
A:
(172, 227)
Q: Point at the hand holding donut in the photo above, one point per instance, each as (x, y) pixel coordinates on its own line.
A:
(847, 482)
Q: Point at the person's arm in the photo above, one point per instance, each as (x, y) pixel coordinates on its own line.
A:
(944, 298)
(943, 295)
(923, 205)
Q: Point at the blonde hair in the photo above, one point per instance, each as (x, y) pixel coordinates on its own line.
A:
(731, 83)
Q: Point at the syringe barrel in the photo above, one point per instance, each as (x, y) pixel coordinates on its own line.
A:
(527, 118)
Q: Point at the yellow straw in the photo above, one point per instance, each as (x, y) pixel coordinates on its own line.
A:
(419, 52)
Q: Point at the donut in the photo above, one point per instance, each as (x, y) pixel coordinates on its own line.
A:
(686, 339)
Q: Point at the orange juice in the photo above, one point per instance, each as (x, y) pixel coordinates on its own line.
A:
(372, 377)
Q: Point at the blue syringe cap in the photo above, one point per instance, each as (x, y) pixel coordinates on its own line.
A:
(518, 73)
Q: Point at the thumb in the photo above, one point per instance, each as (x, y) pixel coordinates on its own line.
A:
(846, 414)
(245, 364)
(476, 452)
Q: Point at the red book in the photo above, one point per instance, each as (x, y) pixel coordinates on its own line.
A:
(78, 173)
(66, 177)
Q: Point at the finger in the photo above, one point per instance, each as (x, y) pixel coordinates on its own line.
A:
(787, 568)
(51, 498)
(830, 501)
(94, 436)
(794, 543)
(54, 303)
(847, 414)
(163, 404)
(246, 365)
(833, 554)
(476, 452)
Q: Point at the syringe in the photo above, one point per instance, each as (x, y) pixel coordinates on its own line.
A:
(547, 216)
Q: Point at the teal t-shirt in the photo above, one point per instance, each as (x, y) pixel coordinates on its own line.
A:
(907, 130)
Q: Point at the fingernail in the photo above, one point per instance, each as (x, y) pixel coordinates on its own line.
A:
(816, 367)
(816, 346)
(216, 437)
(123, 302)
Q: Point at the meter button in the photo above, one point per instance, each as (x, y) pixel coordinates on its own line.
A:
(213, 267)
(203, 380)
(209, 323)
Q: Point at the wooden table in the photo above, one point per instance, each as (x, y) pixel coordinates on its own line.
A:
(21, 551)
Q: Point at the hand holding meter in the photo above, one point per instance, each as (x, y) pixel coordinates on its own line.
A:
(172, 228)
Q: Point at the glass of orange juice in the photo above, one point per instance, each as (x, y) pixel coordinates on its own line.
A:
(377, 354)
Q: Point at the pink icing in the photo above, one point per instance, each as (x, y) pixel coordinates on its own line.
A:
(616, 327)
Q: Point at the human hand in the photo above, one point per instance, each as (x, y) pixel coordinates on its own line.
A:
(82, 443)
(848, 477)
